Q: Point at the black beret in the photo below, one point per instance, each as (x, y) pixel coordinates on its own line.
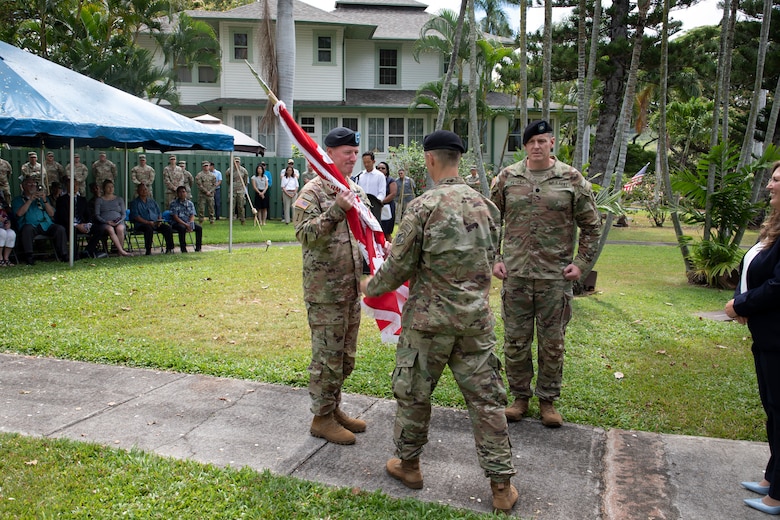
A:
(342, 136)
(536, 128)
(443, 140)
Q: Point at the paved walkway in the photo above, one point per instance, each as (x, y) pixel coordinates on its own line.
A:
(575, 472)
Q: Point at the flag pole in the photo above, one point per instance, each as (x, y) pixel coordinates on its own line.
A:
(266, 88)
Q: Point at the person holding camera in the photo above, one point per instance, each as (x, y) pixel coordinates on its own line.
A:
(34, 216)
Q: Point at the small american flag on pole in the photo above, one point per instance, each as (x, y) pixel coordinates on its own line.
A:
(385, 309)
(636, 180)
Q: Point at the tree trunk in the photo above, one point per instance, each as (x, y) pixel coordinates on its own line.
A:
(523, 50)
(547, 61)
(285, 55)
(582, 101)
(445, 88)
(614, 86)
(474, 133)
(663, 151)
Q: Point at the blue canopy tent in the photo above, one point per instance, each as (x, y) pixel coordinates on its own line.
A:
(43, 104)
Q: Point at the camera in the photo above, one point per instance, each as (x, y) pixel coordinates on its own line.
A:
(39, 187)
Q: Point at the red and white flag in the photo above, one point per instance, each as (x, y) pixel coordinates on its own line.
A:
(636, 180)
(385, 309)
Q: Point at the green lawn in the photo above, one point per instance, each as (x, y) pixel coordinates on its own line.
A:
(241, 315)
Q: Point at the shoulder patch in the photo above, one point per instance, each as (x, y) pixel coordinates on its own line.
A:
(302, 203)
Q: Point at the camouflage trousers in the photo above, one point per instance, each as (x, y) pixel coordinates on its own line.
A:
(334, 332)
(419, 361)
(238, 208)
(169, 196)
(546, 304)
(206, 203)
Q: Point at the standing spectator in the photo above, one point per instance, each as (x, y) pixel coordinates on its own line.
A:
(104, 170)
(144, 174)
(406, 189)
(388, 202)
(173, 177)
(289, 192)
(207, 185)
(331, 277)
(183, 215)
(189, 180)
(374, 184)
(756, 303)
(34, 216)
(80, 174)
(472, 179)
(290, 162)
(260, 187)
(32, 168)
(217, 191)
(147, 218)
(238, 179)
(54, 170)
(309, 174)
(542, 202)
(445, 246)
(7, 235)
(110, 215)
(5, 179)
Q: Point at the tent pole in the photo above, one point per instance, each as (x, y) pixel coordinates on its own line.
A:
(230, 205)
(71, 183)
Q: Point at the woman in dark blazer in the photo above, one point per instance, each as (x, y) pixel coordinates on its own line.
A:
(756, 303)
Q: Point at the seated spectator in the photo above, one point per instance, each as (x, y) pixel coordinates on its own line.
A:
(7, 235)
(55, 190)
(145, 214)
(81, 222)
(34, 217)
(183, 215)
(110, 215)
(95, 191)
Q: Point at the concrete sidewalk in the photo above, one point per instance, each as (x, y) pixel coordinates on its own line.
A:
(575, 472)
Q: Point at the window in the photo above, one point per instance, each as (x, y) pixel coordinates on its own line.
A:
(350, 122)
(323, 53)
(267, 136)
(243, 124)
(307, 123)
(328, 124)
(241, 46)
(395, 131)
(206, 74)
(415, 131)
(515, 141)
(183, 73)
(376, 134)
(388, 67)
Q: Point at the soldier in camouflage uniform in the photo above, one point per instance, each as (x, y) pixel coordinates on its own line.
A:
(189, 180)
(54, 170)
(80, 174)
(332, 265)
(207, 185)
(542, 202)
(238, 178)
(32, 168)
(144, 174)
(5, 180)
(445, 245)
(173, 177)
(104, 170)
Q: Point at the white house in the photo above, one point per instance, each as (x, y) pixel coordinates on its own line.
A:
(354, 68)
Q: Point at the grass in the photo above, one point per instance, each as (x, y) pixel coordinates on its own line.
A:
(46, 478)
(241, 315)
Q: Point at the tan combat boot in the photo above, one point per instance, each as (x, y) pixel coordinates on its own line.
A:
(353, 425)
(518, 409)
(407, 471)
(326, 427)
(550, 416)
(505, 496)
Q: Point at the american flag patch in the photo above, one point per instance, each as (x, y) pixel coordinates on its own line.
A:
(302, 203)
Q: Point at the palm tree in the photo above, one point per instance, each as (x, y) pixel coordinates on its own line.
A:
(495, 20)
(547, 60)
(285, 64)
